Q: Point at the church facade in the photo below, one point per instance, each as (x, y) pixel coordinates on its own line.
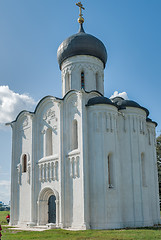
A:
(84, 161)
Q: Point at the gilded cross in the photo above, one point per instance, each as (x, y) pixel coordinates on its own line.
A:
(80, 5)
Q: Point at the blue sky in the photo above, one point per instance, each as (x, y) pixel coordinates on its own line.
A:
(31, 32)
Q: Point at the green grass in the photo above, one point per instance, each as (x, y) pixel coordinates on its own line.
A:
(130, 234)
(58, 234)
(3, 215)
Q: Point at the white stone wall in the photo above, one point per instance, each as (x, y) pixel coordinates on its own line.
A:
(20, 187)
(102, 141)
(47, 161)
(107, 178)
(93, 74)
(73, 163)
(131, 199)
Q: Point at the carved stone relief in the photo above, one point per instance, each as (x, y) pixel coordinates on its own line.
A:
(25, 122)
(51, 119)
(49, 115)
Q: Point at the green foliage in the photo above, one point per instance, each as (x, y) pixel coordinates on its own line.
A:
(158, 149)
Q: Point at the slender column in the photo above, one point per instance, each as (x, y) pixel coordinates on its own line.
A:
(28, 173)
(57, 212)
(40, 172)
(71, 167)
(51, 171)
(44, 133)
(43, 172)
(47, 172)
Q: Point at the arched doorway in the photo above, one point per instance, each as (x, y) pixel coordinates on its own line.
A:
(48, 207)
(52, 209)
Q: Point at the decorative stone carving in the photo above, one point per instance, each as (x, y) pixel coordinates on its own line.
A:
(74, 166)
(43, 131)
(69, 69)
(74, 102)
(25, 122)
(48, 171)
(49, 115)
(50, 119)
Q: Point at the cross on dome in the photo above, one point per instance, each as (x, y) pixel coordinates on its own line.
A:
(80, 19)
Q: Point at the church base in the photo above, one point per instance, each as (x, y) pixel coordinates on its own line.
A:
(51, 225)
(30, 224)
(83, 226)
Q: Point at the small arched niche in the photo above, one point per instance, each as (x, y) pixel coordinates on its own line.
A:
(82, 80)
(24, 163)
(97, 81)
(110, 170)
(143, 170)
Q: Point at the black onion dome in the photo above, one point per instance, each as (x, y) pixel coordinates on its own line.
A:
(81, 44)
(122, 104)
(151, 121)
(99, 100)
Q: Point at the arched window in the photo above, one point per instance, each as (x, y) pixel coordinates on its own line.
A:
(49, 142)
(110, 171)
(24, 163)
(143, 170)
(97, 82)
(82, 80)
(74, 135)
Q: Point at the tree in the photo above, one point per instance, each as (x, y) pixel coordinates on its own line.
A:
(1, 207)
(158, 148)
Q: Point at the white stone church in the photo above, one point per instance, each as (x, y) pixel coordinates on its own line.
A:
(84, 161)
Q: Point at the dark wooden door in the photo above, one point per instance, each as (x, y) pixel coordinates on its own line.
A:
(52, 209)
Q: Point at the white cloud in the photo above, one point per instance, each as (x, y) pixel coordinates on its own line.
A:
(2, 173)
(117, 94)
(5, 183)
(12, 103)
(5, 191)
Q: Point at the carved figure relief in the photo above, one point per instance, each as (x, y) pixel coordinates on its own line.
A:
(49, 115)
(25, 122)
(51, 119)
